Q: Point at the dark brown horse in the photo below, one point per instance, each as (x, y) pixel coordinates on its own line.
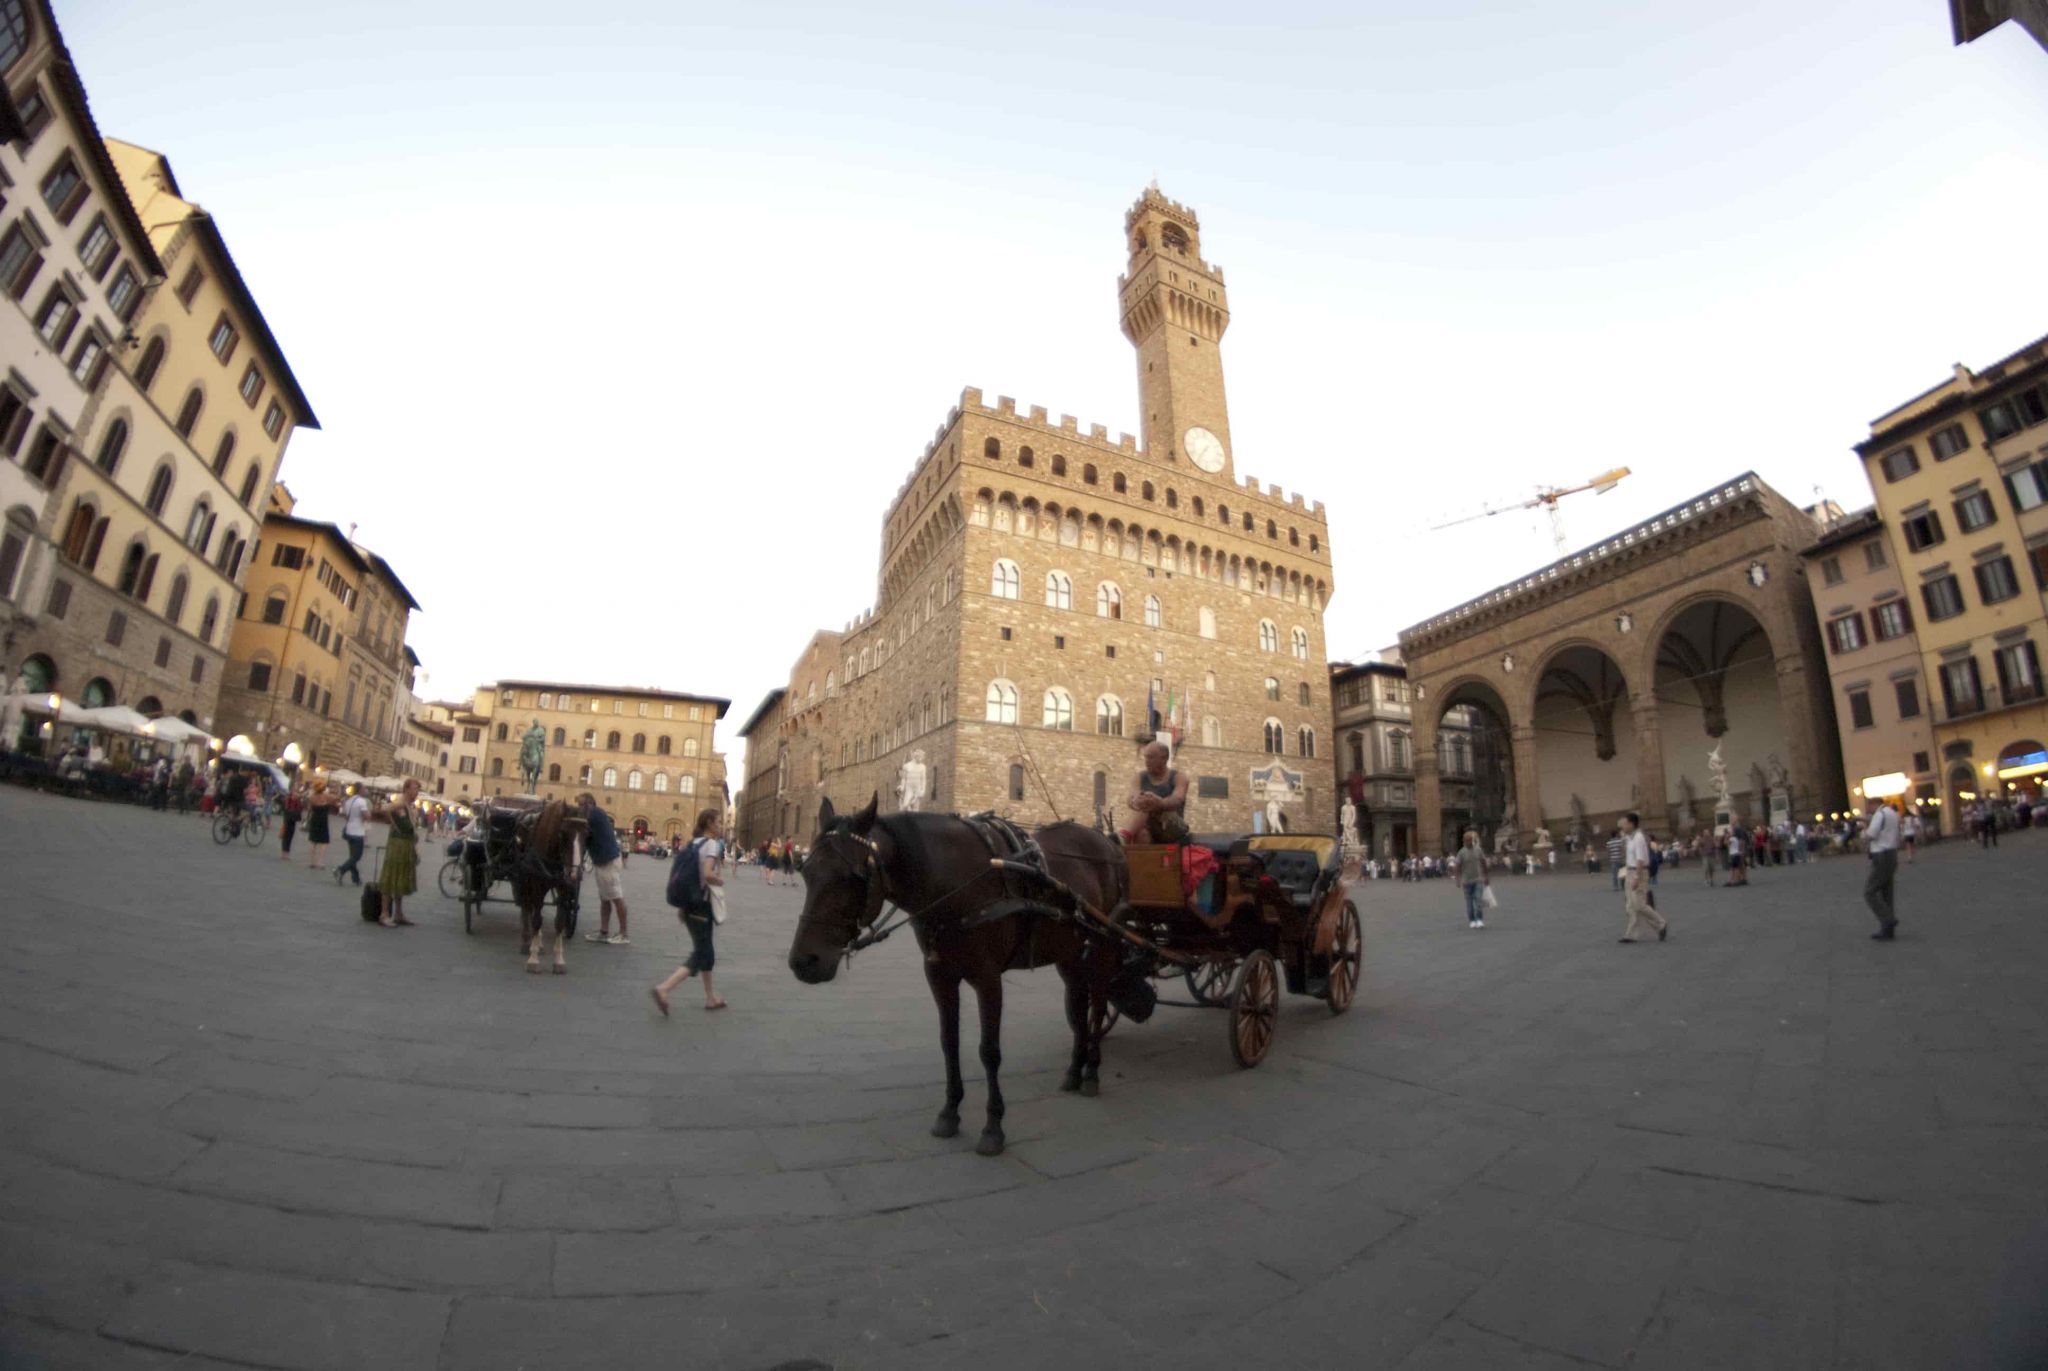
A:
(935, 868)
(548, 846)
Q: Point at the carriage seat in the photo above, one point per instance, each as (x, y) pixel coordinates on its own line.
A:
(1302, 863)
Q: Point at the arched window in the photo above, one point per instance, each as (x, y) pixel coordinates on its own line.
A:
(639, 742)
(831, 688)
(992, 450)
(501, 729)
(112, 446)
(1059, 465)
(1304, 692)
(1002, 702)
(611, 741)
(209, 619)
(174, 607)
(686, 785)
(1152, 614)
(1305, 741)
(1272, 530)
(1272, 687)
(590, 737)
(1101, 790)
(1118, 484)
(224, 453)
(561, 737)
(689, 747)
(554, 771)
(199, 527)
(497, 766)
(633, 779)
(1059, 710)
(1023, 456)
(1109, 601)
(1212, 731)
(1269, 636)
(151, 363)
(1172, 498)
(661, 746)
(231, 550)
(131, 568)
(159, 493)
(611, 778)
(1088, 473)
(1109, 716)
(188, 413)
(98, 693)
(1059, 590)
(661, 783)
(583, 776)
(1276, 737)
(148, 580)
(1206, 620)
(78, 533)
(1299, 639)
(248, 492)
(926, 714)
(1145, 490)
(1004, 579)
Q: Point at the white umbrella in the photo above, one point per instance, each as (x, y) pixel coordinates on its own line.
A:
(172, 729)
(67, 711)
(343, 776)
(115, 719)
(385, 783)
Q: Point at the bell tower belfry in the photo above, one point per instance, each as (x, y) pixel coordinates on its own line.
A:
(1175, 311)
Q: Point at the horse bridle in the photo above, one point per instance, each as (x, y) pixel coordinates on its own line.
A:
(872, 929)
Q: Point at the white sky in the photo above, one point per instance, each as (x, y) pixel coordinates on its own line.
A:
(660, 301)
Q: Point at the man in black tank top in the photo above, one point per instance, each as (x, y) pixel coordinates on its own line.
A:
(1160, 799)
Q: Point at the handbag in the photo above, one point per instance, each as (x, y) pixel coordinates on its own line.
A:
(718, 904)
(1487, 897)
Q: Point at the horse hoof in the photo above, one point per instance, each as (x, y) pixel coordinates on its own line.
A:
(945, 1127)
(991, 1144)
(561, 970)
(1070, 1084)
(1090, 1088)
(533, 968)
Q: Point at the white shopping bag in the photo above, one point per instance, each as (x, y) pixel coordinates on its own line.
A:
(718, 904)
(1487, 897)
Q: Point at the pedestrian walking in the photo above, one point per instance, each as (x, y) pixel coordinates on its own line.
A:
(1987, 827)
(319, 805)
(1615, 846)
(401, 872)
(697, 890)
(294, 806)
(1636, 881)
(1708, 844)
(1909, 834)
(1738, 869)
(1471, 863)
(608, 865)
(355, 814)
(1881, 841)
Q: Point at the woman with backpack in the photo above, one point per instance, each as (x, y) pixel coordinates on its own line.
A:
(694, 888)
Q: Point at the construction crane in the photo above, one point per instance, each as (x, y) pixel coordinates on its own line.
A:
(1547, 498)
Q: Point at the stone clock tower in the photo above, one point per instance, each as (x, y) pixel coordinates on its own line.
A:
(1175, 310)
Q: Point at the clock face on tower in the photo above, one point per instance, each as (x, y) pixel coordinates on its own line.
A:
(1204, 449)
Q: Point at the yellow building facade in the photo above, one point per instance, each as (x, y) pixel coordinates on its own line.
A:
(647, 755)
(157, 451)
(1961, 478)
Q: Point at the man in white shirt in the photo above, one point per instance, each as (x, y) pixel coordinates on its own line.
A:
(355, 814)
(1881, 841)
(1635, 885)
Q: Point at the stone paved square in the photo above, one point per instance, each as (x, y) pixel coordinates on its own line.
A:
(244, 1128)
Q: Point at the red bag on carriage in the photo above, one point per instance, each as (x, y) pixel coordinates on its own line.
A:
(1196, 862)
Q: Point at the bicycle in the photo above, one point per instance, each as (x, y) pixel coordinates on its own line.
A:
(227, 826)
(451, 882)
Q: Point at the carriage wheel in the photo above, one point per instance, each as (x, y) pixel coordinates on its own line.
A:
(1255, 1009)
(1347, 955)
(1209, 983)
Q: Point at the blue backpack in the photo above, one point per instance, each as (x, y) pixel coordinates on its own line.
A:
(686, 878)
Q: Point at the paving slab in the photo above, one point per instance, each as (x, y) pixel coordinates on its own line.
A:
(246, 1129)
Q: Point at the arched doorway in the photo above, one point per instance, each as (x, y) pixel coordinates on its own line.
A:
(1962, 793)
(98, 692)
(1476, 768)
(1585, 740)
(1717, 690)
(2022, 770)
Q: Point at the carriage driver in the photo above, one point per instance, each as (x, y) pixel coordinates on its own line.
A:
(1160, 797)
(607, 864)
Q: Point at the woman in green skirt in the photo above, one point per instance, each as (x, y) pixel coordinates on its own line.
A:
(400, 876)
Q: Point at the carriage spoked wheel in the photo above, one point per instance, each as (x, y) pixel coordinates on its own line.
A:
(1254, 1008)
(1347, 956)
(1209, 982)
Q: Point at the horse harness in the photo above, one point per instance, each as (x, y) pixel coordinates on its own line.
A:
(1007, 844)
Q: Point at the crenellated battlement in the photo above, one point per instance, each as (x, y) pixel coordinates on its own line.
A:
(1066, 426)
(1155, 199)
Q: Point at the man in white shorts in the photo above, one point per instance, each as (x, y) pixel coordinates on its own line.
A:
(608, 865)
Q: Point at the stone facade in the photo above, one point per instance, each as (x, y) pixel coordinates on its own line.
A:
(1961, 479)
(1615, 671)
(1042, 585)
(646, 754)
(1375, 757)
(1882, 710)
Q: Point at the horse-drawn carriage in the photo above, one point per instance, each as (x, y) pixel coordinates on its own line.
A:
(532, 845)
(1232, 918)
